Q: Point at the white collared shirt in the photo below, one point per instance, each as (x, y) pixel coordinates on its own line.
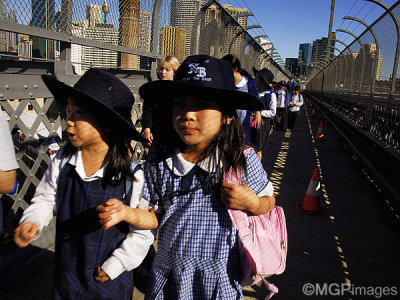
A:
(136, 244)
(271, 111)
(298, 100)
(281, 99)
(180, 166)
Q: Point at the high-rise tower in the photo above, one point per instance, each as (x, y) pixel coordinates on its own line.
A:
(43, 16)
(183, 15)
(128, 31)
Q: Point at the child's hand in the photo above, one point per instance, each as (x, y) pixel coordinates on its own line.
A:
(112, 212)
(24, 233)
(148, 136)
(258, 120)
(239, 197)
(101, 275)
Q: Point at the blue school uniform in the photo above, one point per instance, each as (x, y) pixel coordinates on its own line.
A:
(81, 244)
(197, 255)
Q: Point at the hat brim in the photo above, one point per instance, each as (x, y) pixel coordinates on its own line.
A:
(62, 91)
(165, 90)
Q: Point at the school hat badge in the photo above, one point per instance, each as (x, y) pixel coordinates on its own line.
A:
(104, 92)
(201, 76)
(266, 74)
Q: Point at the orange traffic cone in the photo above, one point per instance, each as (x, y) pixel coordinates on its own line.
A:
(310, 205)
(313, 112)
(320, 134)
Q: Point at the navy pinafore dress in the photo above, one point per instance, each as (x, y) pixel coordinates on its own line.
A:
(81, 244)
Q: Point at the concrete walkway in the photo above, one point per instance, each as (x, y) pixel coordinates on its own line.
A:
(356, 242)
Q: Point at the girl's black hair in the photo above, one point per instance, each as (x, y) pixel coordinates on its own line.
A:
(119, 153)
(234, 61)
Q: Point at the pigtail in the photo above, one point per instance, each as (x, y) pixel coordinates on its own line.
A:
(119, 162)
(233, 146)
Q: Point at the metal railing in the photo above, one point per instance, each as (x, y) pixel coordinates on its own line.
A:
(358, 90)
(361, 83)
(126, 37)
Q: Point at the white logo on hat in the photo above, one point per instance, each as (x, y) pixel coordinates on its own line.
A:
(199, 71)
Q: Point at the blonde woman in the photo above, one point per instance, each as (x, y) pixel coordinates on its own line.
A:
(151, 114)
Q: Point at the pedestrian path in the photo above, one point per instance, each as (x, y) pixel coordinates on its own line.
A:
(355, 242)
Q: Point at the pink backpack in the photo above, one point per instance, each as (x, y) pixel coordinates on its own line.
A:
(262, 241)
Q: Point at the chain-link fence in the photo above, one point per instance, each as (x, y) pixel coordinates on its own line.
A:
(362, 82)
(126, 37)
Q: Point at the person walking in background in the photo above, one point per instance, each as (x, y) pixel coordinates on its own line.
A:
(281, 106)
(294, 108)
(93, 167)
(245, 83)
(151, 114)
(8, 161)
(264, 81)
(8, 164)
(291, 84)
(198, 255)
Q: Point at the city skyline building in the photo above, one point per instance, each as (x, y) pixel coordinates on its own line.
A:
(236, 43)
(292, 64)
(228, 38)
(173, 41)
(320, 50)
(144, 31)
(183, 15)
(93, 14)
(84, 57)
(3, 34)
(43, 16)
(304, 58)
(128, 33)
(25, 48)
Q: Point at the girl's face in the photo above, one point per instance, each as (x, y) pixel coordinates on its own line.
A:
(196, 121)
(166, 72)
(82, 126)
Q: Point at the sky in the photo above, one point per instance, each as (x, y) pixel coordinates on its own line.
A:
(289, 23)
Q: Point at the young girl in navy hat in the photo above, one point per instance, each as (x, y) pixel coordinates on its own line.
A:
(94, 166)
(198, 255)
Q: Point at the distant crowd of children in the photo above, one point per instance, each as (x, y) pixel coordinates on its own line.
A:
(197, 120)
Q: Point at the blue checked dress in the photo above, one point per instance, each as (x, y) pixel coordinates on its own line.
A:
(81, 244)
(197, 255)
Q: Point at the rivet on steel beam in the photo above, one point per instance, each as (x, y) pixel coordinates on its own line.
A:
(30, 94)
(7, 86)
(1, 96)
(35, 86)
(25, 86)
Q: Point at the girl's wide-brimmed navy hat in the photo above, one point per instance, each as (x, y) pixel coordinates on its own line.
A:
(266, 75)
(105, 93)
(201, 76)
